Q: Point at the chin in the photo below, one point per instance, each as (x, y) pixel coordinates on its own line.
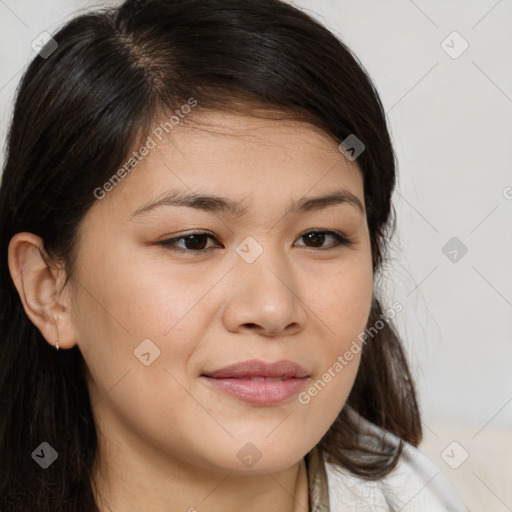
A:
(264, 457)
(264, 467)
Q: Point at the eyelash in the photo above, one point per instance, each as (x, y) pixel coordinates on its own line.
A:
(169, 243)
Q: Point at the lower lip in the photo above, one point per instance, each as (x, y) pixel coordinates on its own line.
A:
(259, 391)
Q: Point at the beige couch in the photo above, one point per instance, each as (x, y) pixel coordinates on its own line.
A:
(476, 459)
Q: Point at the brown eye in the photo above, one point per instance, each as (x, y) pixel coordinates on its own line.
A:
(317, 239)
(194, 242)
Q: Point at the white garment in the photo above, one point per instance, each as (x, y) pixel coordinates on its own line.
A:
(416, 484)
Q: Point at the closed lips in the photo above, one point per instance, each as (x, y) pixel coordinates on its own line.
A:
(258, 382)
(268, 378)
(260, 370)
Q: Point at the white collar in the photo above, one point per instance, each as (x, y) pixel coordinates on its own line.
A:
(416, 484)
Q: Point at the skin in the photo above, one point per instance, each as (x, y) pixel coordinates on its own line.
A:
(165, 437)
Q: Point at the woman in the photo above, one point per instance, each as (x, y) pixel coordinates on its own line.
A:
(194, 209)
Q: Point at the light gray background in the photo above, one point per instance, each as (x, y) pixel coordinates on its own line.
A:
(451, 122)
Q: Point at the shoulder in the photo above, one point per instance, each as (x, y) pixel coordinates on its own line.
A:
(416, 484)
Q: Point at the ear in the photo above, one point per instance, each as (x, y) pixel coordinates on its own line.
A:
(39, 285)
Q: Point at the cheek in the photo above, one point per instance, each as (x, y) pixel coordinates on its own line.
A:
(344, 302)
(132, 298)
(128, 314)
(345, 306)
(136, 338)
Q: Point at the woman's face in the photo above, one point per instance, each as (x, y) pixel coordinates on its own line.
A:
(156, 321)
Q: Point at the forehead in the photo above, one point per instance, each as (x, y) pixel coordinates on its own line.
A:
(247, 132)
(239, 156)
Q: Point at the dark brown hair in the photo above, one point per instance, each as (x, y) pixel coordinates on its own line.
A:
(78, 113)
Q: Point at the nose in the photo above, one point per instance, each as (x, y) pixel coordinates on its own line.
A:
(264, 297)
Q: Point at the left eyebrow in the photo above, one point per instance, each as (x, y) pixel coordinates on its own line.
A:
(317, 203)
(217, 204)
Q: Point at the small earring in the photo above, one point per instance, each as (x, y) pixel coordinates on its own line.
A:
(57, 344)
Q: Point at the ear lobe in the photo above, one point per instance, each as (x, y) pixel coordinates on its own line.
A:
(38, 287)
